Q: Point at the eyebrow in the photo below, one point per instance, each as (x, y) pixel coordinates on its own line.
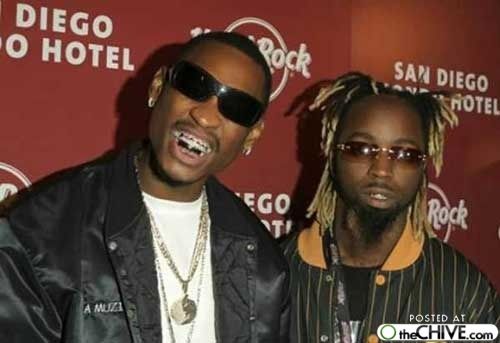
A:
(360, 135)
(367, 136)
(406, 141)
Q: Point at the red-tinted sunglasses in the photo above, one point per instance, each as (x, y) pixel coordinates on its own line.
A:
(361, 151)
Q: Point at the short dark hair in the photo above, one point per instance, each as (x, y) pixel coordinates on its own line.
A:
(239, 42)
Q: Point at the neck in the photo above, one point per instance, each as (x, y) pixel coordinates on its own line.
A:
(159, 188)
(355, 250)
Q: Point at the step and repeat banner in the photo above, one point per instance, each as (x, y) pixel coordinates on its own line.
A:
(74, 78)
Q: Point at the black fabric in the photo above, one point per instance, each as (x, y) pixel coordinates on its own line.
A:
(76, 264)
(357, 282)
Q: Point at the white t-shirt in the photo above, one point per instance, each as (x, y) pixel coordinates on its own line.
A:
(178, 226)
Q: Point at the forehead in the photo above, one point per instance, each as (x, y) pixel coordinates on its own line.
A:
(229, 66)
(385, 119)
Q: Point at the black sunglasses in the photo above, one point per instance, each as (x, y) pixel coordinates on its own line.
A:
(360, 151)
(199, 85)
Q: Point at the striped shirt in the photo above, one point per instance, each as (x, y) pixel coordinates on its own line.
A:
(436, 280)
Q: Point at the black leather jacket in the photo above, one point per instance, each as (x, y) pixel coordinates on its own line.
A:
(76, 265)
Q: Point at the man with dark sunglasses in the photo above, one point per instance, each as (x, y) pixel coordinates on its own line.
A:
(369, 256)
(148, 246)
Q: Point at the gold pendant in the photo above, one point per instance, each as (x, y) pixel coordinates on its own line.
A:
(183, 311)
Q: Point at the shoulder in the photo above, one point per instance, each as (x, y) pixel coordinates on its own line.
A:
(54, 205)
(51, 194)
(60, 188)
(448, 259)
(479, 298)
(289, 244)
(229, 212)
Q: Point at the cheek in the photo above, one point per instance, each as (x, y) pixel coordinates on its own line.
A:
(231, 143)
(168, 110)
(410, 180)
(350, 173)
(233, 133)
(158, 130)
(156, 121)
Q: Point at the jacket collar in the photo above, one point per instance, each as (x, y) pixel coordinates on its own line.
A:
(404, 253)
(225, 214)
(126, 205)
(230, 231)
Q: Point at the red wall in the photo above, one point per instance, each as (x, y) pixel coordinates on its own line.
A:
(64, 105)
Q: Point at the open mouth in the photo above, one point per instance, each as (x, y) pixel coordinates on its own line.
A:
(378, 196)
(192, 144)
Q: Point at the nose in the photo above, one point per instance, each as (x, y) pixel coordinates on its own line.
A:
(381, 166)
(206, 113)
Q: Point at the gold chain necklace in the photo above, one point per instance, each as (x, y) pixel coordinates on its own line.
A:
(183, 310)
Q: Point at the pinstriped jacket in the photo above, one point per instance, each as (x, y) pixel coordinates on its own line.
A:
(418, 277)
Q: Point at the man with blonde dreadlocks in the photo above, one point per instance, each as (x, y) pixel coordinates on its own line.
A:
(369, 256)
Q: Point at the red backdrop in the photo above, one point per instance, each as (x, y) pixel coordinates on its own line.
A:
(74, 77)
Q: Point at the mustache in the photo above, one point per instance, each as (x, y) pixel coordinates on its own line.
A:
(379, 184)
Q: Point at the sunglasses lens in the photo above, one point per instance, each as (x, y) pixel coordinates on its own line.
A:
(359, 150)
(240, 108)
(409, 156)
(191, 81)
(197, 84)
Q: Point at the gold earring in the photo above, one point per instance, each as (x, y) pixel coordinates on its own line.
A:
(151, 102)
(247, 151)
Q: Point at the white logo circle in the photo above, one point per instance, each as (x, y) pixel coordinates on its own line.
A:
(444, 198)
(10, 189)
(279, 38)
(443, 215)
(388, 332)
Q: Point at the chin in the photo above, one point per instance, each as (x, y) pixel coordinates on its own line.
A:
(179, 176)
(173, 175)
(374, 221)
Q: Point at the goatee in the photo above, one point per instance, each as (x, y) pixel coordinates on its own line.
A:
(158, 170)
(372, 221)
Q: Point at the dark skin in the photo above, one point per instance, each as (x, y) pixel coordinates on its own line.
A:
(184, 174)
(381, 184)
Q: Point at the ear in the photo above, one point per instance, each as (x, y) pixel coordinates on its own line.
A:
(253, 135)
(156, 86)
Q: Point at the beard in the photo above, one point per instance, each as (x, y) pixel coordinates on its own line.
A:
(159, 171)
(372, 221)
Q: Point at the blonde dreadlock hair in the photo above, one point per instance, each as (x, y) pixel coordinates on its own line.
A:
(335, 100)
